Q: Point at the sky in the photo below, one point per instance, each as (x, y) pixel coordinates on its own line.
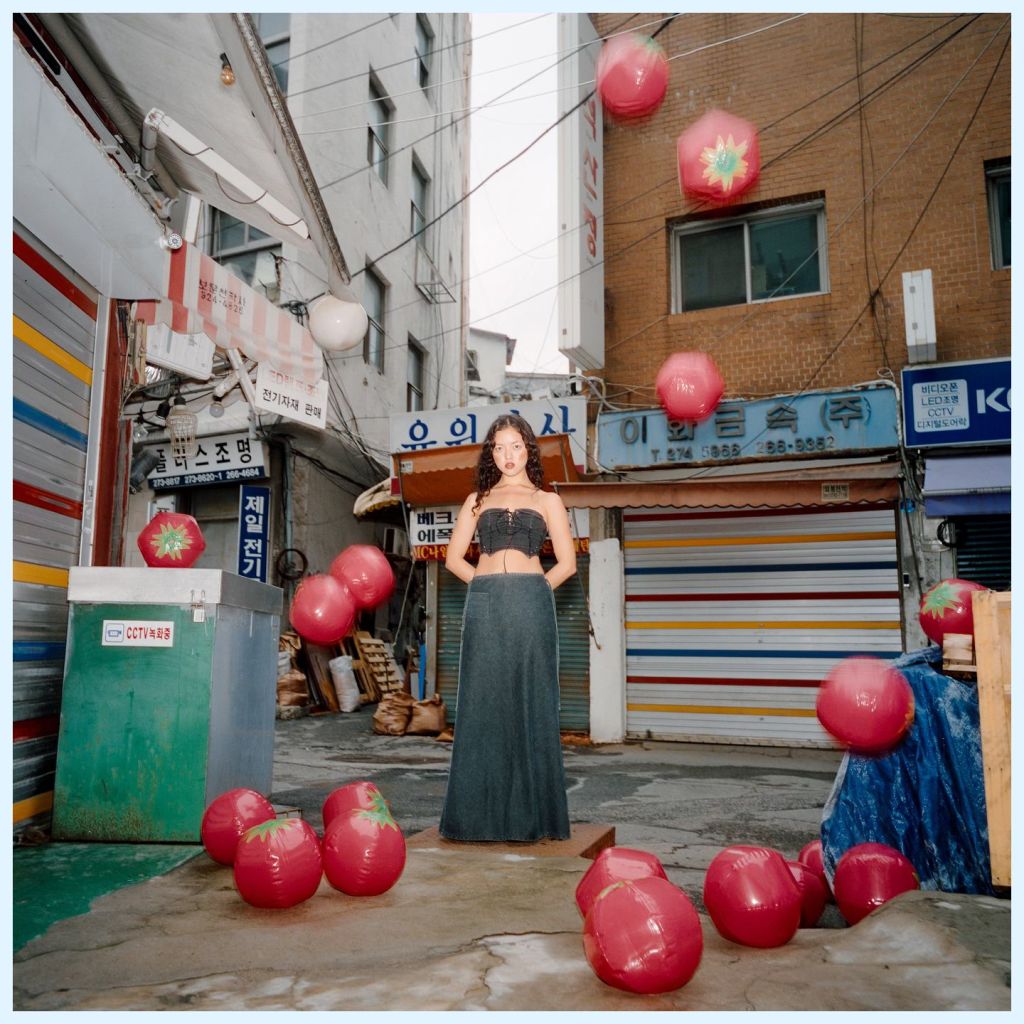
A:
(513, 219)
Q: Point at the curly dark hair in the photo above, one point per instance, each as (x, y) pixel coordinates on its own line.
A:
(488, 474)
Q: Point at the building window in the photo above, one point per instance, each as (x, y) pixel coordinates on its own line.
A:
(250, 254)
(424, 49)
(472, 366)
(420, 195)
(415, 376)
(998, 182)
(374, 294)
(774, 254)
(379, 131)
(275, 32)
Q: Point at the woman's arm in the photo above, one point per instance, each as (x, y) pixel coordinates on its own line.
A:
(561, 540)
(462, 535)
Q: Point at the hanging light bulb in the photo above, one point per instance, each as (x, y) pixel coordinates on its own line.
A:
(139, 430)
(181, 428)
(227, 73)
(216, 407)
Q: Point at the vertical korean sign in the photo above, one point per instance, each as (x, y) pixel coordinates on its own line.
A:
(253, 531)
(580, 196)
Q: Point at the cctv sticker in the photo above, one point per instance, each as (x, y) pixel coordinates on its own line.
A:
(137, 633)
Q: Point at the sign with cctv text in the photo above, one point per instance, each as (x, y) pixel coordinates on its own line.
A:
(137, 633)
(957, 404)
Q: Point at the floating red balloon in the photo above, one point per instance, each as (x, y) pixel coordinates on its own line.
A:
(752, 897)
(869, 875)
(171, 540)
(719, 157)
(323, 610)
(366, 572)
(813, 892)
(631, 75)
(811, 856)
(278, 863)
(228, 817)
(356, 796)
(947, 608)
(866, 704)
(643, 935)
(615, 864)
(689, 386)
(364, 850)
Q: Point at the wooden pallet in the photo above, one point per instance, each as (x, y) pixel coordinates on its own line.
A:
(992, 651)
(374, 668)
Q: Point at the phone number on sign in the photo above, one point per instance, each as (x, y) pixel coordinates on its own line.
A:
(220, 476)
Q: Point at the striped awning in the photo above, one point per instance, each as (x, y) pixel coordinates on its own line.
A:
(205, 298)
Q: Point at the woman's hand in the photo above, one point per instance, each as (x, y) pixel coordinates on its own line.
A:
(465, 526)
(557, 519)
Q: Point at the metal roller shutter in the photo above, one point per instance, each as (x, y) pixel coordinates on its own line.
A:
(54, 341)
(734, 616)
(983, 550)
(573, 644)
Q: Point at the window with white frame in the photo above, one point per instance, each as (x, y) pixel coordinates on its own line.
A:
(374, 294)
(250, 254)
(420, 196)
(415, 376)
(424, 49)
(275, 33)
(998, 182)
(379, 131)
(769, 254)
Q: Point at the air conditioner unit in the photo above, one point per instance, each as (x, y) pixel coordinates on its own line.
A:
(919, 315)
(396, 541)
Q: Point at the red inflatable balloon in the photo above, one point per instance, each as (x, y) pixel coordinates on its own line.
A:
(869, 875)
(366, 572)
(751, 896)
(228, 817)
(323, 610)
(866, 704)
(812, 857)
(813, 892)
(947, 608)
(719, 157)
(364, 851)
(278, 863)
(689, 386)
(171, 540)
(615, 864)
(356, 796)
(631, 75)
(643, 935)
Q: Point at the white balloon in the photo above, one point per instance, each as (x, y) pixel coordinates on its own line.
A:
(337, 325)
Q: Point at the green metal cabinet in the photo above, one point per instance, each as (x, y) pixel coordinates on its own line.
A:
(169, 699)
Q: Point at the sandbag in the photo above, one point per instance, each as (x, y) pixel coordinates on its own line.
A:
(428, 717)
(926, 798)
(292, 689)
(393, 712)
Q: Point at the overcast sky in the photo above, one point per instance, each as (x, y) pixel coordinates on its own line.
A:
(514, 217)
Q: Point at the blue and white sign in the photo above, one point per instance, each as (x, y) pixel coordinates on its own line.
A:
(253, 531)
(957, 403)
(818, 423)
(220, 459)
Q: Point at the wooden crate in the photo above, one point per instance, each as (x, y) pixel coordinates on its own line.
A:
(992, 651)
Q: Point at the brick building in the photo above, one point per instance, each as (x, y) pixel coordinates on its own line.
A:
(799, 524)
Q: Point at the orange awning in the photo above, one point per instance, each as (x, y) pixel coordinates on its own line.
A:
(445, 476)
(795, 488)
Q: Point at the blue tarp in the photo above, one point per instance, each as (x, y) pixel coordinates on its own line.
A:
(926, 798)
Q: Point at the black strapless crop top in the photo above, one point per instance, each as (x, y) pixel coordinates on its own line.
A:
(521, 529)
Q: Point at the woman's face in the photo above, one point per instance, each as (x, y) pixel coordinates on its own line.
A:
(510, 452)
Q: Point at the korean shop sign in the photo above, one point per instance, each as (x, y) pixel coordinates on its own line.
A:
(221, 458)
(291, 397)
(819, 423)
(253, 531)
(957, 403)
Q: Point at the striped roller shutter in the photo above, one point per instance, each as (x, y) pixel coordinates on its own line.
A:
(734, 616)
(54, 342)
(573, 644)
(983, 550)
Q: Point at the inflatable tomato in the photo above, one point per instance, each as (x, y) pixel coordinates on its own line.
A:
(689, 386)
(364, 850)
(719, 157)
(615, 864)
(356, 796)
(631, 75)
(228, 817)
(751, 896)
(643, 935)
(366, 572)
(323, 611)
(947, 608)
(171, 540)
(813, 892)
(278, 863)
(811, 856)
(866, 704)
(869, 875)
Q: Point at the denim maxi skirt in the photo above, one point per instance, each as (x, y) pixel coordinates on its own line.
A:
(507, 781)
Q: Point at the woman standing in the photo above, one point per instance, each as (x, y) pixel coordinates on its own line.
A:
(507, 782)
